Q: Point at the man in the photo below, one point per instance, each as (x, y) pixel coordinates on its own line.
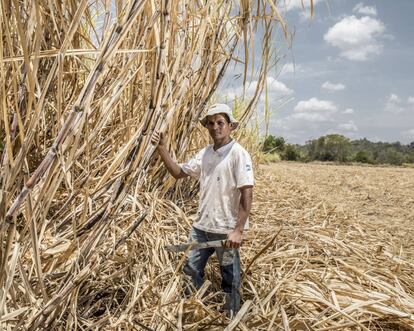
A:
(226, 180)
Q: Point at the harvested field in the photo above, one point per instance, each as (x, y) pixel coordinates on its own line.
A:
(379, 199)
(329, 268)
(86, 208)
(343, 259)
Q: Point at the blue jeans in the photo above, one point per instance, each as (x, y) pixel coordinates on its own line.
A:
(229, 260)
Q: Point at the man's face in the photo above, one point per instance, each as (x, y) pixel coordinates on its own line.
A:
(218, 127)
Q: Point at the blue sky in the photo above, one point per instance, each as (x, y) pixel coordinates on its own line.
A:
(350, 70)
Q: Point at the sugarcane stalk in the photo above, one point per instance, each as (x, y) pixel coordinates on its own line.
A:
(84, 98)
(130, 230)
(90, 121)
(31, 129)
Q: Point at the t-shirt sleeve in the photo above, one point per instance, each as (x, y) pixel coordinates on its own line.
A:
(244, 170)
(193, 166)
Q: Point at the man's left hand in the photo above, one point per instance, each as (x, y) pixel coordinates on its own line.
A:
(234, 239)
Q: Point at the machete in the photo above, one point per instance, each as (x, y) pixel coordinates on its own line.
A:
(194, 245)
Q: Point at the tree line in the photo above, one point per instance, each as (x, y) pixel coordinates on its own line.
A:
(338, 148)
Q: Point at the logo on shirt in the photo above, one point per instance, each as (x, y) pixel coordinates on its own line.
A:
(248, 167)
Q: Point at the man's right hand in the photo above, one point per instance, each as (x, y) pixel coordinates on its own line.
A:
(157, 139)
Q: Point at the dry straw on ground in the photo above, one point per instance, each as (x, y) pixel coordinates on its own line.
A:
(338, 263)
(83, 219)
(79, 98)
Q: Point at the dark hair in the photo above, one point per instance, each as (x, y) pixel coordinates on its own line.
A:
(226, 117)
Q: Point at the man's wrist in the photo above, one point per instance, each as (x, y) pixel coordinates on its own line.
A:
(239, 229)
(160, 147)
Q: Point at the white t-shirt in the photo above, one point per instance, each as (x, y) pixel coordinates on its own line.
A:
(221, 174)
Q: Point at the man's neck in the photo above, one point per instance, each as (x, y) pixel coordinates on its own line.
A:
(222, 142)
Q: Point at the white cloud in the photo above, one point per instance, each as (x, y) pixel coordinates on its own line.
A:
(312, 117)
(314, 104)
(274, 86)
(231, 93)
(394, 104)
(349, 126)
(299, 4)
(348, 111)
(357, 38)
(365, 10)
(314, 110)
(394, 98)
(289, 68)
(278, 93)
(333, 87)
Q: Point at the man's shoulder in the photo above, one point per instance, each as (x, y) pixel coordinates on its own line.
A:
(237, 148)
(204, 149)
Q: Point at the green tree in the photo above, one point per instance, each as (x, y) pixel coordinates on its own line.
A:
(390, 155)
(291, 153)
(273, 144)
(333, 147)
(363, 157)
(280, 144)
(268, 144)
(409, 158)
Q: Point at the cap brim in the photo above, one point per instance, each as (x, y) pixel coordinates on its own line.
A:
(203, 122)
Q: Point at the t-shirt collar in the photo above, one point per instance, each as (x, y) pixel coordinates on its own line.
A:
(223, 149)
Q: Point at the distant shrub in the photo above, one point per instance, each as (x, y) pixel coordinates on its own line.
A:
(269, 157)
(409, 158)
(338, 148)
(363, 157)
(291, 153)
(333, 147)
(408, 165)
(273, 144)
(391, 156)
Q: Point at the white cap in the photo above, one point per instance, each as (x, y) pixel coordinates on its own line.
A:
(220, 108)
